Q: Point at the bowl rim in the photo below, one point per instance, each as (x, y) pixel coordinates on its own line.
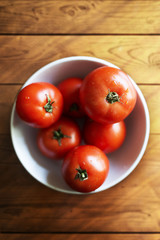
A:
(98, 60)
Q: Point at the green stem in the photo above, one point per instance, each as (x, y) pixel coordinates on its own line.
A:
(112, 97)
(48, 107)
(81, 174)
(58, 135)
(74, 107)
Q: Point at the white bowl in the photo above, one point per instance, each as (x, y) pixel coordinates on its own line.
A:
(47, 171)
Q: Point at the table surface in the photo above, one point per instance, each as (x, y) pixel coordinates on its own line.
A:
(36, 32)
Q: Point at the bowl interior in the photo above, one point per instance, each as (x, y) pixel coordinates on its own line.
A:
(47, 171)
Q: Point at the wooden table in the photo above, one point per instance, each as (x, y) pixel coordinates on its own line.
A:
(36, 32)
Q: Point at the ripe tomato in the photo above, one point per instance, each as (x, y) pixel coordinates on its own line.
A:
(107, 137)
(55, 141)
(39, 104)
(107, 95)
(85, 168)
(70, 91)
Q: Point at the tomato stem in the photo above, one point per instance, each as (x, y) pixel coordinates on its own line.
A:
(58, 135)
(112, 97)
(48, 107)
(74, 107)
(81, 174)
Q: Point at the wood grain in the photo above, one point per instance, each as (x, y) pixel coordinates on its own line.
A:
(21, 56)
(52, 17)
(36, 32)
(28, 206)
(8, 94)
(77, 236)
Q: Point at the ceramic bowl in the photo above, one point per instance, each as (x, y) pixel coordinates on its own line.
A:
(47, 171)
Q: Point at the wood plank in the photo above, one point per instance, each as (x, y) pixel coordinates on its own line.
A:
(8, 94)
(21, 56)
(152, 96)
(52, 17)
(6, 150)
(77, 236)
(28, 206)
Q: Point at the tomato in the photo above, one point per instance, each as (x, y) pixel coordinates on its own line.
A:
(85, 168)
(107, 137)
(39, 104)
(107, 95)
(70, 91)
(54, 142)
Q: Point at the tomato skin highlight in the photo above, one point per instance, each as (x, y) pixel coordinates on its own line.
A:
(31, 104)
(107, 137)
(70, 88)
(96, 88)
(49, 145)
(89, 158)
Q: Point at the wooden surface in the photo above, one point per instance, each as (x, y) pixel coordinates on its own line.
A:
(34, 33)
(139, 56)
(94, 16)
(76, 236)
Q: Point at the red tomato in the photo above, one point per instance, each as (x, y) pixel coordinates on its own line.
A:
(54, 142)
(85, 168)
(39, 104)
(70, 91)
(107, 137)
(107, 95)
